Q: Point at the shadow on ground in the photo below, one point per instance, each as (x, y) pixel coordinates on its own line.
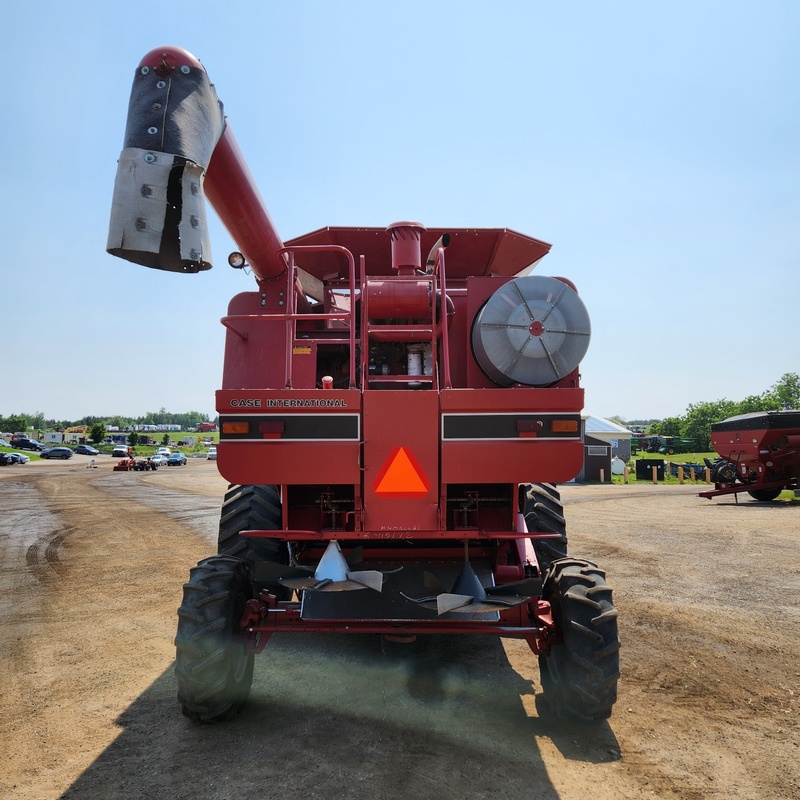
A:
(349, 716)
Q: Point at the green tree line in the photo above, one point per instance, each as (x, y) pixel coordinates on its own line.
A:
(699, 417)
(21, 422)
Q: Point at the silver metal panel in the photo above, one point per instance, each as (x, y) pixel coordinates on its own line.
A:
(533, 330)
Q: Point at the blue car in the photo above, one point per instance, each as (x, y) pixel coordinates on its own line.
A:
(176, 460)
(57, 452)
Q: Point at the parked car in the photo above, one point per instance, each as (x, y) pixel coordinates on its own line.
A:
(87, 450)
(176, 460)
(57, 452)
(212, 454)
(27, 444)
(121, 451)
(164, 451)
(158, 460)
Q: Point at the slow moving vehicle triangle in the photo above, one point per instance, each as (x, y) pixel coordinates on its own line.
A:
(401, 476)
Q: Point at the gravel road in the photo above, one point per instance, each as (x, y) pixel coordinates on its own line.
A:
(92, 564)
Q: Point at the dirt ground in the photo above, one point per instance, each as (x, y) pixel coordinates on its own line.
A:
(92, 567)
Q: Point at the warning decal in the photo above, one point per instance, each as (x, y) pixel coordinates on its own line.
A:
(401, 476)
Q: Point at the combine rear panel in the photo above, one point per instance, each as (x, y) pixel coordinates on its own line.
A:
(397, 405)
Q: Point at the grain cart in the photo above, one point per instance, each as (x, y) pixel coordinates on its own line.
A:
(759, 454)
(396, 406)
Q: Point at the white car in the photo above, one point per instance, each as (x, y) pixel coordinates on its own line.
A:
(212, 454)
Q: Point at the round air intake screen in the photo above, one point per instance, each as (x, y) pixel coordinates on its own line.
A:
(533, 330)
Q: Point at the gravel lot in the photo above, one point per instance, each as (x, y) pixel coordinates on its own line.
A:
(92, 567)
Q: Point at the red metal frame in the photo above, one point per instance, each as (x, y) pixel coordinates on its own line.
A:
(721, 488)
(266, 615)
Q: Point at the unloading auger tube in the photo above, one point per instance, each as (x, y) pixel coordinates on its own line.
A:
(177, 149)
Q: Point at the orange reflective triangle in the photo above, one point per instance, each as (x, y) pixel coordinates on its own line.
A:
(401, 476)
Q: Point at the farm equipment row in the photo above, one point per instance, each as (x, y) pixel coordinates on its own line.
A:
(129, 463)
(666, 445)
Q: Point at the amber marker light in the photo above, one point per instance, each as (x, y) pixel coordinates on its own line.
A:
(564, 426)
(236, 427)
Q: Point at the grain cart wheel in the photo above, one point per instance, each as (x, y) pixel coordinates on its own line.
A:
(579, 674)
(544, 513)
(253, 508)
(214, 670)
(724, 472)
(764, 495)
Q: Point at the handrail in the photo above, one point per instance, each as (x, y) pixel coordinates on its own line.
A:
(292, 316)
(439, 267)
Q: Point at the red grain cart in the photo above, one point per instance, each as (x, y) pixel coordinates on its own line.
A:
(396, 407)
(759, 454)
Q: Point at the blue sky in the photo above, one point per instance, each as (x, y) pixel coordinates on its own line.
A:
(654, 144)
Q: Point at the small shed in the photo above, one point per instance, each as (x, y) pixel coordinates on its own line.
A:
(616, 436)
(596, 457)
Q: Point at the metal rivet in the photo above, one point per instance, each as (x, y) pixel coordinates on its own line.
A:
(194, 221)
(195, 255)
(156, 106)
(147, 191)
(141, 225)
(161, 84)
(185, 70)
(144, 70)
(195, 189)
(152, 130)
(149, 158)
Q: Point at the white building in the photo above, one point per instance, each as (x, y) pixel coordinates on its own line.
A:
(618, 437)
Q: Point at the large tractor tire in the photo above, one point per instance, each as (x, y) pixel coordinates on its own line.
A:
(544, 513)
(580, 673)
(253, 508)
(764, 495)
(214, 671)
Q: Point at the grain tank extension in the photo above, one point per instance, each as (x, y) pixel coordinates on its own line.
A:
(397, 405)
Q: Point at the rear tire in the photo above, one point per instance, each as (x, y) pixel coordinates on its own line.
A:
(544, 513)
(253, 508)
(579, 674)
(764, 495)
(214, 671)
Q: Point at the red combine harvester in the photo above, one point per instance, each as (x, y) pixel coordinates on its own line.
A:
(391, 425)
(759, 454)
